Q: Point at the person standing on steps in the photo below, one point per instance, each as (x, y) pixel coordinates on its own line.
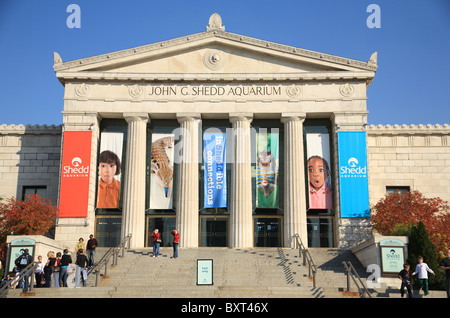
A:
(176, 241)
(422, 269)
(90, 247)
(156, 242)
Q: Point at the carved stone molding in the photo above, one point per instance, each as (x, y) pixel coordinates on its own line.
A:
(294, 91)
(215, 23)
(346, 90)
(82, 90)
(214, 59)
(136, 91)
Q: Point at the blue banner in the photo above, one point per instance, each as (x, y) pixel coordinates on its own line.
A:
(215, 172)
(353, 180)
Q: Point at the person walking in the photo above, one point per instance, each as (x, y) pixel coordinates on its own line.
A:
(66, 261)
(156, 242)
(445, 266)
(81, 274)
(422, 269)
(176, 241)
(406, 283)
(90, 248)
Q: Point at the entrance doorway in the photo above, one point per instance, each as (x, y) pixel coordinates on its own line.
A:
(267, 231)
(108, 230)
(214, 231)
(165, 225)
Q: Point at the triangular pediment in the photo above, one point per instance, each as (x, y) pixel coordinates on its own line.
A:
(212, 52)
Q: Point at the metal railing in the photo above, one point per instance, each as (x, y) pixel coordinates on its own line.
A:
(307, 259)
(26, 273)
(351, 273)
(113, 253)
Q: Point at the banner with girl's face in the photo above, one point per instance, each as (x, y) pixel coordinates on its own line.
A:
(318, 168)
(109, 170)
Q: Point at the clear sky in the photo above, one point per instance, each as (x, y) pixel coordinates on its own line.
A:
(411, 85)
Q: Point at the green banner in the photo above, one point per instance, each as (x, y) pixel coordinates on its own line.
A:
(267, 170)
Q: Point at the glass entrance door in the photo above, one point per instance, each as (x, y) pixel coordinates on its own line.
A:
(214, 231)
(108, 230)
(267, 231)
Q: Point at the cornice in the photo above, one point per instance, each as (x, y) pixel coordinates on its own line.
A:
(29, 129)
(409, 129)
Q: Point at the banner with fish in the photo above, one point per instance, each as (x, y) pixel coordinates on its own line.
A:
(267, 164)
(318, 169)
(161, 177)
(215, 182)
(109, 170)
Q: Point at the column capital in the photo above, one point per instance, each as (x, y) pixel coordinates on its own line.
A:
(234, 117)
(286, 117)
(188, 116)
(136, 117)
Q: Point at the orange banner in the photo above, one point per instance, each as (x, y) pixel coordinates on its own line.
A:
(75, 171)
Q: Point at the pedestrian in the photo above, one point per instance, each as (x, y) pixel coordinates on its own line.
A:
(81, 273)
(90, 248)
(406, 283)
(39, 273)
(176, 241)
(22, 262)
(57, 270)
(49, 268)
(422, 269)
(445, 266)
(79, 245)
(156, 242)
(66, 261)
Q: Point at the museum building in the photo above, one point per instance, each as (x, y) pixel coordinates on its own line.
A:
(235, 141)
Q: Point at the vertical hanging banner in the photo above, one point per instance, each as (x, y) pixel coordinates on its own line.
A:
(353, 181)
(161, 178)
(215, 172)
(109, 170)
(267, 170)
(318, 168)
(76, 162)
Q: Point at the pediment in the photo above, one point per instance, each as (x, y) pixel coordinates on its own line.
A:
(211, 53)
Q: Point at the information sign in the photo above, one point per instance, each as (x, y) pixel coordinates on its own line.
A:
(205, 272)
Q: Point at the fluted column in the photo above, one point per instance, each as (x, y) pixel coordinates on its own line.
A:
(294, 179)
(133, 218)
(241, 221)
(187, 214)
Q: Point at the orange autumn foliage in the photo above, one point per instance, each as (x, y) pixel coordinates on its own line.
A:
(397, 209)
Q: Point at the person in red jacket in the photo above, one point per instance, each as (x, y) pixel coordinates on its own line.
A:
(176, 240)
(156, 242)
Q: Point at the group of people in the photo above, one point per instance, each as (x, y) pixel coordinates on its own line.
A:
(57, 266)
(422, 270)
(156, 236)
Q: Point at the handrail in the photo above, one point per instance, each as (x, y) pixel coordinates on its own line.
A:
(302, 250)
(351, 272)
(112, 252)
(29, 270)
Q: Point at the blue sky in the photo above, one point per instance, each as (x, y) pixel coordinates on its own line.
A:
(411, 85)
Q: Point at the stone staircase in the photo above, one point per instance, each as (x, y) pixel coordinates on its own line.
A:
(237, 273)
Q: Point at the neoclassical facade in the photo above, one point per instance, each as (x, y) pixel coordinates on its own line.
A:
(241, 88)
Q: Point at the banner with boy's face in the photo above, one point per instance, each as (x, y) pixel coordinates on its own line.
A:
(267, 170)
(109, 170)
(161, 178)
(318, 168)
(75, 174)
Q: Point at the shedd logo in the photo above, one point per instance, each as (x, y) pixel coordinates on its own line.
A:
(76, 169)
(352, 169)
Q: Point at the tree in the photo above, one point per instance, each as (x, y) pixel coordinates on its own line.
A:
(420, 244)
(32, 216)
(401, 210)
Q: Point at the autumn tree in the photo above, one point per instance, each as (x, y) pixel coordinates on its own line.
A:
(402, 210)
(32, 216)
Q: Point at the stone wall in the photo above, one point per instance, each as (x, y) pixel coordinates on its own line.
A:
(29, 156)
(413, 156)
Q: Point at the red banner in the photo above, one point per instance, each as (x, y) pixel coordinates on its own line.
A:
(75, 171)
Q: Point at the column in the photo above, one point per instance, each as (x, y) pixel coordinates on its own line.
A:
(187, 214)
(241, 221)
(133, 218)
(294, 179)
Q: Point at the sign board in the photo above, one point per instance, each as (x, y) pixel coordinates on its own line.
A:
(392, 252)
(17, 247)
(205, 272)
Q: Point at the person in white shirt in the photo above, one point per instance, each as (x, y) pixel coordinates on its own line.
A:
(422, 269)
(39, 271)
